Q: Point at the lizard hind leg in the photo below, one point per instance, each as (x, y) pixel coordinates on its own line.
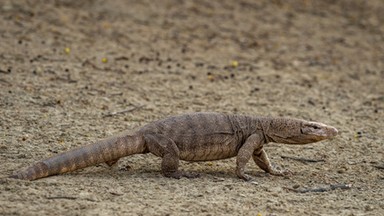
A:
(170, 165)
(166, 148)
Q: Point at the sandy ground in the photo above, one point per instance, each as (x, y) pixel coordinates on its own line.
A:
(66, 65)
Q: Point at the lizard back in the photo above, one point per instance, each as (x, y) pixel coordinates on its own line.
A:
(204, 136)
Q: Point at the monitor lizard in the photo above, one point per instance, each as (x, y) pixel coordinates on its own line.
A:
(190, 137)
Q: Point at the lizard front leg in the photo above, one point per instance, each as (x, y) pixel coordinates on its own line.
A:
(261, 159)
(166, 148)
(245, 153)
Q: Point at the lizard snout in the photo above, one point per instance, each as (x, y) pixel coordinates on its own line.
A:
(332, 131)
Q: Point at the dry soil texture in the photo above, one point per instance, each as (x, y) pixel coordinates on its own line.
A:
(65, 66)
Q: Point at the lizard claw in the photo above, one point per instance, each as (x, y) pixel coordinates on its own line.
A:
(247, 178)
(244, 176)
(277, 172)
(286, 172)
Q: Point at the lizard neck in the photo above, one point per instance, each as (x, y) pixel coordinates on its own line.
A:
(263, 124)
(245, 126)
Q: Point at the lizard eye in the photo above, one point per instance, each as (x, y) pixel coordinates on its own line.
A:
(315, 127)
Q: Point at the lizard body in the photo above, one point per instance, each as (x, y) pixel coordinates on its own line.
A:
(190, 137)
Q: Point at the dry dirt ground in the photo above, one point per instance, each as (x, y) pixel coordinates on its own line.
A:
(65, 66)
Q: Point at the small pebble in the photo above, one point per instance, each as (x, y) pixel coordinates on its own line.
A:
(369, 208)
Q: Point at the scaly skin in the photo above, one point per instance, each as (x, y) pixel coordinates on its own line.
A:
(190, 137)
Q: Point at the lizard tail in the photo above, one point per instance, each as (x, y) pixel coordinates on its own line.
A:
(107, 150)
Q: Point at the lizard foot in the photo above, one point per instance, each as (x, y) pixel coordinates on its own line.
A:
(191, 175)
(277, 172)
(244, 176)
(178, 174)
(247, 178)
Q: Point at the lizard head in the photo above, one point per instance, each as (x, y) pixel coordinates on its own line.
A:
(295, 131)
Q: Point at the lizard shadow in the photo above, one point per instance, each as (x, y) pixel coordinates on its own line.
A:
(101, 171)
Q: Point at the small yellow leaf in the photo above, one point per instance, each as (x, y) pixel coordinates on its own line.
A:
(234, 63)
(67, 50)
(104, 60)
